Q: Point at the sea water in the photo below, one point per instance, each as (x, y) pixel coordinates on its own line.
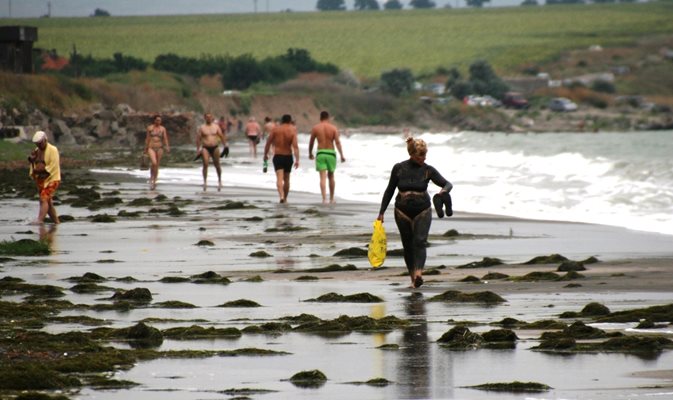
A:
(613, 178)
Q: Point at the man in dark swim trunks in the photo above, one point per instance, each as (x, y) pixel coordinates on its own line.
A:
(208, 139)
(284, 140)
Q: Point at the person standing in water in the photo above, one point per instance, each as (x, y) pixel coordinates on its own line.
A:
(413, 211)
(208, 138)
(254, 133)
(155, 142)
(45, 169)
(327, 136)
(284, 140)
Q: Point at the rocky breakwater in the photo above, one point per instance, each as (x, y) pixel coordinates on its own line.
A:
(119, 126)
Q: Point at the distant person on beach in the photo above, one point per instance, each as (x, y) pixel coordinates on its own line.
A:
(45, 169)
(269, 124)
(254, 134)
(208, 138)
(222, 123)
(327, 136)
(413, 213)
(284, 140)
(155, 141)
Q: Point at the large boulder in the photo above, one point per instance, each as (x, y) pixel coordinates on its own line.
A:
(106, 115)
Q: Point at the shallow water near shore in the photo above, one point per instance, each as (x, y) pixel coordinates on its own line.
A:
(613, 178)
(156, 245)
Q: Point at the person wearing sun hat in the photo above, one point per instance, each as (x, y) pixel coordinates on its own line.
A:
(45, 169)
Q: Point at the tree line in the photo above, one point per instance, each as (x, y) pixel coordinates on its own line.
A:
(238, 72)
(369, 5)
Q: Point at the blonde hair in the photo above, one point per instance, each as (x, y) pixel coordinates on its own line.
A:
(416, 146)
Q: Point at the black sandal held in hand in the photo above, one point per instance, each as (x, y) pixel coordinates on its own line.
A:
(439, 205)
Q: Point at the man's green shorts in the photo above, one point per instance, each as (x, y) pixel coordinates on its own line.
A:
(326, 159)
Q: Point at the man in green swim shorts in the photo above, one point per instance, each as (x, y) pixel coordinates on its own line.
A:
(326, 157)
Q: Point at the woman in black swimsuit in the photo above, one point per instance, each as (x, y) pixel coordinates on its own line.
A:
(413, 213)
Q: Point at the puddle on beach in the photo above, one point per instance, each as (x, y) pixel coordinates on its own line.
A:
(151, 248)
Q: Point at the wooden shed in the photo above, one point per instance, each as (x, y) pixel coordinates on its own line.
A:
(16, 48)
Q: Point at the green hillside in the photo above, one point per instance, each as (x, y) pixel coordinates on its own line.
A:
(368, 42)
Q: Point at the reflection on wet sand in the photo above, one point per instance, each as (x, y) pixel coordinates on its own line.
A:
(47, 232)
(414, 368)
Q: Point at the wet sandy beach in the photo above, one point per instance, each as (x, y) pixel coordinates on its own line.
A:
(635, 271)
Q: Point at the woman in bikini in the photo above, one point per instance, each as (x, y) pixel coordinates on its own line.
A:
(155, 141)
(413, 212)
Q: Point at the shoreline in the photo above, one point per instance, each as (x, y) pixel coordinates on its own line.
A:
(236, 225)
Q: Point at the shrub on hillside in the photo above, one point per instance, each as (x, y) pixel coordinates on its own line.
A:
(485, 81)
(80, 65)
(243, 71)
(397, 81)
(603, 86)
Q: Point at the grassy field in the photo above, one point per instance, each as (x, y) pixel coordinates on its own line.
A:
(368, 42)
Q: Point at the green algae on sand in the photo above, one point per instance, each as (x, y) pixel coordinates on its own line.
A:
(513, 387)
(240, 303)
(24, 247)
(578, 330)
(663, 313)
(461, 338)
(550, 259)
(210, 277)
(374, 382)
(103, 218)
(305, 278)
(351, 252)
(253, 279)
(260, 254)
(486, 297)
(268, 328)
(333, 268)
(353, 298)
(493, 276)
(88, 277)
(138, 295)
(622, 344)
(484, 263)
(174, 304)
(90, 288)
(592, 309)
(309, 379)
(199, 332)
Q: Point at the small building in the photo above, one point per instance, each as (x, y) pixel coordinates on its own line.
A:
(16, 48)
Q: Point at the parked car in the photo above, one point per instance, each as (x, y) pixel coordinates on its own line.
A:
(481, 101)
(561, 104)
(514, 100)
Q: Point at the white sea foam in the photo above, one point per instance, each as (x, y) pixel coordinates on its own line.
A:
(620, 179)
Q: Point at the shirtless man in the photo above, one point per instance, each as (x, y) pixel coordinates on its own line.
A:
(284, 140)
(325, 159)
(254, 133)
(208, 138)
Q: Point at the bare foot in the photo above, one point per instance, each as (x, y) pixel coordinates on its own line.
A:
(219, 187)
(36, 222)
(282, 201)
(205, 187)
(332, 201)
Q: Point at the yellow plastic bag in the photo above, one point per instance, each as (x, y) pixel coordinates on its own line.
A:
(377, 245)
